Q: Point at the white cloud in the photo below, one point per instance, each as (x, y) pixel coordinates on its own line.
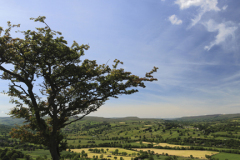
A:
(174, 20)
(205, 5)
(225, 30)
(224, 7)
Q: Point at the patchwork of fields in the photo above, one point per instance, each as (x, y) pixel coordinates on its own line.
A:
(150, 139)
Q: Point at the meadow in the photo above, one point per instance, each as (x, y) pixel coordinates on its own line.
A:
(227, 156)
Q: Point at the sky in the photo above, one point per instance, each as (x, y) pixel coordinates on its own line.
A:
(194, 43)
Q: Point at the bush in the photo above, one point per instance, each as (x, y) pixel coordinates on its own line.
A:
(40, 158)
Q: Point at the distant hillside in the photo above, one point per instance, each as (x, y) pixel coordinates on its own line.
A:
(12, 121)
(5, 128)
(9, 121)
(121, 119)
(215, 117)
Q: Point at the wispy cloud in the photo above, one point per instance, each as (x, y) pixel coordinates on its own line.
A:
(225, 30)
(191, 80)
(235, 76)
(205, 6)
(174, 20)
(224, 7)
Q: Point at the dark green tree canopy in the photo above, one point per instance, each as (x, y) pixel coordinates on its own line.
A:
(72, 86)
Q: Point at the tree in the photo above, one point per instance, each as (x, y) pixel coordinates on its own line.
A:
(116, 151)
(45, 156)
(5, 157)
(82, 153)
(71, 85)
(76, 157)
(39, 158)
(9, 153)
(14, 156)
(150, 157)
(85, 155)
(27, 157)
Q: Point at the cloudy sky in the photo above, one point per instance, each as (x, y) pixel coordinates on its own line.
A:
(195, 44)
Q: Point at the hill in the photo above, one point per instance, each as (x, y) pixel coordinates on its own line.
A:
(214, 117)
(12, 121)
(203, 118)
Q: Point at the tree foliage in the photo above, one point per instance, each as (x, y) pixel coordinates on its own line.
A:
(72, 86)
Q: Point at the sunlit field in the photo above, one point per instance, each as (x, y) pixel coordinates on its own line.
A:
(108, 153)
(183, 153)
(165, 144)
(170, 145)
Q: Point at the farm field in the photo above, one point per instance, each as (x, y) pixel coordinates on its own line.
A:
(37, 153)
(170, 145)
(182, 153)
(224, 156)
(165, 144)
(108, 154)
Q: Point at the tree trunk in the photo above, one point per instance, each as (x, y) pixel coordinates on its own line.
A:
(54, 149)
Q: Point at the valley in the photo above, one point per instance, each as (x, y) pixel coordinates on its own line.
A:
(130, 138)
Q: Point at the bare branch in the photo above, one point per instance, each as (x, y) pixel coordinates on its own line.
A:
(21, 88)
(76, 119)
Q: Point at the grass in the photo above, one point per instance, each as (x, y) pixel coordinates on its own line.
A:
(229, 156)
(183, 153)
(41, 152)
(38, 152)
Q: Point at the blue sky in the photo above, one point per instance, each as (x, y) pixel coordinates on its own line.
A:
(194, 43)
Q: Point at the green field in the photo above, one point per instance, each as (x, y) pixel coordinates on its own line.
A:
(224, 156)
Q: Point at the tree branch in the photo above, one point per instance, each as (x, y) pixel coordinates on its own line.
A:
(13, 74)
(21, 88)
(75, 119)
